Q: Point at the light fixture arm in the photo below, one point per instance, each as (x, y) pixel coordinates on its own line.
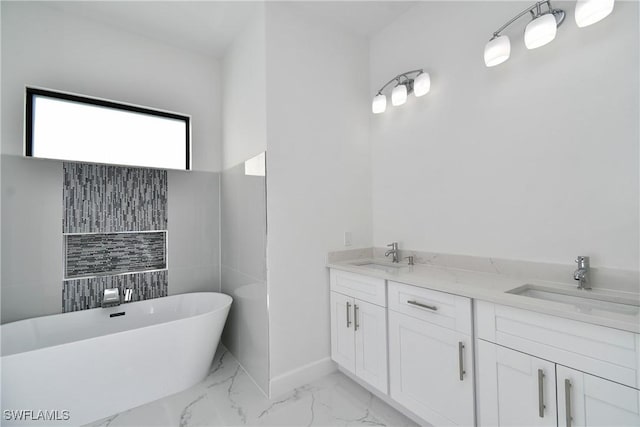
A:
(399, 76)
(535, 11)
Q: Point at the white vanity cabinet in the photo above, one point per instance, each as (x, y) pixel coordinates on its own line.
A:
(523, 378)
(431, 367)
(587, 400)
(516, 389)
(493, 365)
(359, 326)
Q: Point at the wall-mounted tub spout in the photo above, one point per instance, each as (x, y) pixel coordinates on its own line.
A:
(111, 297)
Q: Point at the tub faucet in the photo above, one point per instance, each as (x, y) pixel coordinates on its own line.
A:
(393, 251)
(111, 297)
(582, 273)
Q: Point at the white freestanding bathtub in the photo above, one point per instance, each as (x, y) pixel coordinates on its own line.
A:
(74, 368)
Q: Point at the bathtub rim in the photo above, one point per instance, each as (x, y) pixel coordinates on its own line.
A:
(154, 325)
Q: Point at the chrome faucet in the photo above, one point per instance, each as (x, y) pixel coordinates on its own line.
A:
(582, 273)
(393, 251)
(111, 297)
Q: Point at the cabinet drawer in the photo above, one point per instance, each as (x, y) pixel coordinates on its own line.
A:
(446, 310)
(365, 288)
(598, 350)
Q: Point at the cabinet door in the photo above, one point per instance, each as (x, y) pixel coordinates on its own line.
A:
(342, 331)
(370, 325)
(431, 370)
(514, 389)
(586, 400)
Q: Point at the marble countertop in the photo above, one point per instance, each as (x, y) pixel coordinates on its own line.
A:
(494, 288)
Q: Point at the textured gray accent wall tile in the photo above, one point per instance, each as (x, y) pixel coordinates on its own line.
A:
(101, 254)
(108, 199)
(113, 201)
(82, 294)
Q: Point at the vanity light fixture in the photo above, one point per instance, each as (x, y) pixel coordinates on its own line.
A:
(416, 81)
(543, 27)
(379, 104)
(399, 94)
(541, 30)
(591, 11)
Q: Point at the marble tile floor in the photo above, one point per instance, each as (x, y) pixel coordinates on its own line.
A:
(228, 397)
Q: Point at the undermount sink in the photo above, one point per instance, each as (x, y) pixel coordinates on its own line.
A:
(389, 268)
(585, 301)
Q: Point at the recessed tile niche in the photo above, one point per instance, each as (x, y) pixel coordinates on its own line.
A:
(114, 253)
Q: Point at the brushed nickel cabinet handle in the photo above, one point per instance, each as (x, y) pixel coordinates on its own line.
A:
(461, 360)
(541, 393)
(419, 304)
(348, 317)
(355, 317)
(567, 401)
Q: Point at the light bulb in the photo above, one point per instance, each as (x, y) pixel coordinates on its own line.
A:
(422, 84)
(379, 104)
(540, 31)
(399, 95)
(497, 51)
(591, 11)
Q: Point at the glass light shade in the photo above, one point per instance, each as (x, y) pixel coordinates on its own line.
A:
(591, 11)
(399, 95)
(379, 104)
(422, 84)
(540, 31)
(497, 51)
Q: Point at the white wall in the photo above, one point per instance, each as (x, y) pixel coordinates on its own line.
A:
(243, 201)
(319, 176)
(193, 205)
(243, 230)
(31, 281)
(244, 94)
(43, 47)
(535, 159)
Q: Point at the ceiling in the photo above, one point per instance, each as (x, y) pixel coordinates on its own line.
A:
(363, 18)
(209, 27)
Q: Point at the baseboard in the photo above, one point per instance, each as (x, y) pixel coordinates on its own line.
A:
(300, 376)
